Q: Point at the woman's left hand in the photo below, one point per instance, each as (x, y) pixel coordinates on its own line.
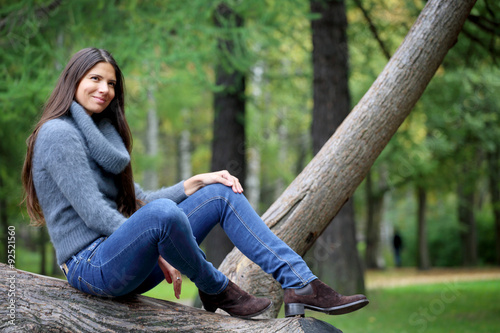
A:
(172, 275)
(194, 183)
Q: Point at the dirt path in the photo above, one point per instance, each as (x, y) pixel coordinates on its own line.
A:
(410, 276)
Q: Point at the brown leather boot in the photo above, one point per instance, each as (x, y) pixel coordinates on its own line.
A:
(318, 296)
(235, 301)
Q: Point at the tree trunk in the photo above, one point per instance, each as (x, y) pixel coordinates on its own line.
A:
(423, 250)
(466, 218)
(42, 240)
(332, 101)
(150, 181)
(345, 269)
(494, 182)
(306, 207)
(228, 146)
(55, 267)
(282, 132)
(252, 190)
(335, 253)
(4, 223)
(36, 303)
(184, 169)
(375, 196)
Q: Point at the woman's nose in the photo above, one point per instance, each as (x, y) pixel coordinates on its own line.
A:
(103, 87)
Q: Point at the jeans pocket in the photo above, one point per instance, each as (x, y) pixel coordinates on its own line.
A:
(94, 247)
(89, 288)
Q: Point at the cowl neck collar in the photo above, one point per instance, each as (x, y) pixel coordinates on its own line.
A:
(105, 144)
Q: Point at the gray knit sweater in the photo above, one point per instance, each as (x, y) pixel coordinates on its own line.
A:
(75, 168)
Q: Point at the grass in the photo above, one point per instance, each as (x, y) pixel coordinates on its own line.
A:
(447, 307)
(451, 307)
(166, 291)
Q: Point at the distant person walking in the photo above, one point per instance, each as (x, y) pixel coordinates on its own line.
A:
(397, 242)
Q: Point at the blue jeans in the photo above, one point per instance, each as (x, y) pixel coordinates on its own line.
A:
(126, 261)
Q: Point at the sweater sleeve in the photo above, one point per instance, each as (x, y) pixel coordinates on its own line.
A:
(65, 159)
(175, 193)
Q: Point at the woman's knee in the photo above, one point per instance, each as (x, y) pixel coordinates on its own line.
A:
(220, 190)
(166, 212)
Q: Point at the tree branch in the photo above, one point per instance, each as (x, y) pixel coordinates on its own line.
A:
(373, 29)
(40, 13)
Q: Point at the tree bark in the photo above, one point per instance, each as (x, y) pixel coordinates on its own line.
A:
(42, 240)
(184, 168)
(375, 197)
(306, 207)
(252, 190)
(338, 268)
(423, 250)
(228, 146)
(466, 194)
(494, 185)
(150, 181)
(4, 223)
(335, 254)
(43, 304)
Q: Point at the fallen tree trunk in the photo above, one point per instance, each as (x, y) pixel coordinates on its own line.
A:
(36, 303)
(305, 209)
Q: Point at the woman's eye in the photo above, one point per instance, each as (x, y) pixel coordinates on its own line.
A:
(94, 78)
(112, 84)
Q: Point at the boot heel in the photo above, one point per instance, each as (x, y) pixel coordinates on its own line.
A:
(210, 308)
(294, 309)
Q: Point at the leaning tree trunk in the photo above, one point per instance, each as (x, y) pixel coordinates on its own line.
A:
(332, 100)
(306, 207)
(335, 254)
(35, 303)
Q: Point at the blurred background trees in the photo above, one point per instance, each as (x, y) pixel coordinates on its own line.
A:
(437, 181)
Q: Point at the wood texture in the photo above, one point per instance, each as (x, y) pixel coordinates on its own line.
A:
(45, 304)
(306, 207)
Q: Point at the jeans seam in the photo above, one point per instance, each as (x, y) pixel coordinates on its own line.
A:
(250, 231)
(179, 253)
(123, 248)
(292, 268)
(129, 243)
(96, 290)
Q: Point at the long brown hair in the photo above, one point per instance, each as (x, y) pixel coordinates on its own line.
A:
(58, 105)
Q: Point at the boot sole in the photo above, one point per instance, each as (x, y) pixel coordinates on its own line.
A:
(250, 315)
(298, 309)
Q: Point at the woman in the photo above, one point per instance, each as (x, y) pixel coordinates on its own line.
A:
(112, 238)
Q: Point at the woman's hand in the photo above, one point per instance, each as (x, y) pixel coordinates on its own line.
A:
(171, 275)
(194, 183)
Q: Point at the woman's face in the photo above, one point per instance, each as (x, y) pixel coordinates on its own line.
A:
(97, 88)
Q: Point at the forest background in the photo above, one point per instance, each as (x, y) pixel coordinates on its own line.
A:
(437, 182)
